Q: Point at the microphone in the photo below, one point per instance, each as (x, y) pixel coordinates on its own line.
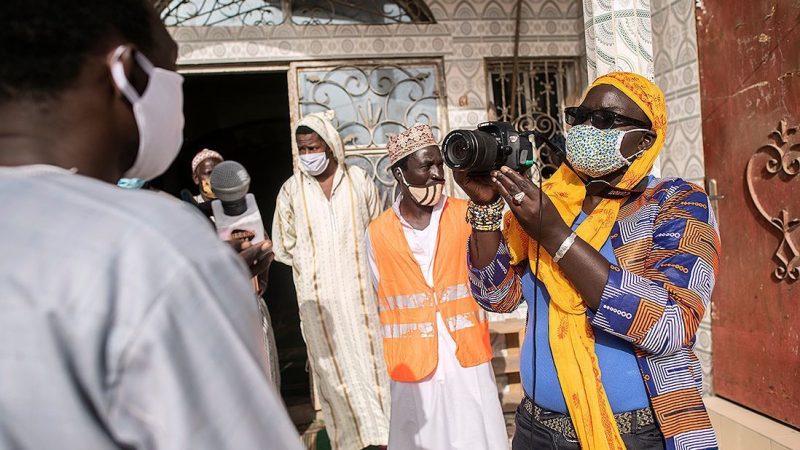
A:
(236, 213)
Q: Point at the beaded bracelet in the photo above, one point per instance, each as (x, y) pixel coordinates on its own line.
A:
(485, 217)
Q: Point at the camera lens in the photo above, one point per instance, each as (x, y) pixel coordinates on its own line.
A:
(470, 150)
(459, 151)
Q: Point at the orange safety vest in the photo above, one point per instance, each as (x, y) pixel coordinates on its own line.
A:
(408, 305)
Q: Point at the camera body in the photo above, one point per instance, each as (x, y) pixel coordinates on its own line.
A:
(489, 147)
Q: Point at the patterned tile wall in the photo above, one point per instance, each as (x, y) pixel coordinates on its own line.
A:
(676, 69)
(466, 32)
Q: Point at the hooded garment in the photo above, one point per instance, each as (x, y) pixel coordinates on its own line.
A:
(323, 241)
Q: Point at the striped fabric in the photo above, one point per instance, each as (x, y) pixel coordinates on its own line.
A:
(322, 239)
(667, 246)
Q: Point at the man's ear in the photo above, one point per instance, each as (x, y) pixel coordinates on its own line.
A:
(195, 179)
(397, 174)
(128, 75)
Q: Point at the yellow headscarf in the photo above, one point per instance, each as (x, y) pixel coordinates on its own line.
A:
(571, 336)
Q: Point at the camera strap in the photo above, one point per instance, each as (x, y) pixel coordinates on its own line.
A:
(606, 190)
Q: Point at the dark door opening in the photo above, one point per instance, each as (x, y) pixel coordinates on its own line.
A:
(245, 117)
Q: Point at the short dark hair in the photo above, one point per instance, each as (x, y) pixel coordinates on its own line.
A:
(44, 43)
(302, 129)
(402, 164)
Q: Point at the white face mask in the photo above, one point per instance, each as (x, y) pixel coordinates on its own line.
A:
(314, 163)
(158, 113)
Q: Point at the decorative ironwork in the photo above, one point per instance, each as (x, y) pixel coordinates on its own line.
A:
(329, 12)
(543, 86)
(783, 162)
(374, 101)
(302, 12)
(209, 13)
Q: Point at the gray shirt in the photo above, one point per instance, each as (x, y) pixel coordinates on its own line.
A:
(125, 322)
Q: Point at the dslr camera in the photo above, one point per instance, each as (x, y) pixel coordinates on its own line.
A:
(491, 146)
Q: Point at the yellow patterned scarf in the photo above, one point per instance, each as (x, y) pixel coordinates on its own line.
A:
(571, 336)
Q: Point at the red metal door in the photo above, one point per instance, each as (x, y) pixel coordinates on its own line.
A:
(749, 55)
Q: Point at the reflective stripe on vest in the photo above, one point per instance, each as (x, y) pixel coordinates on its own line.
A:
(406, 330)
(418, 300)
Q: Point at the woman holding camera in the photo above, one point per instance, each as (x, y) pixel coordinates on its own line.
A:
(617, 268)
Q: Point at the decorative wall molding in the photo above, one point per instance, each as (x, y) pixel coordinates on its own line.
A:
(301, 12)
(782, 162)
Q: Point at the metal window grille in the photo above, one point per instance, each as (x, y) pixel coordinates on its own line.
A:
(373, 100)
(544, 88)
(300, 12)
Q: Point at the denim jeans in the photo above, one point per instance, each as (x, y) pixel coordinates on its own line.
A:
(532, 435)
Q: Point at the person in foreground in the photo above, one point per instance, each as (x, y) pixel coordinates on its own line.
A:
(435, 337)
(625, 272)
(124, 321)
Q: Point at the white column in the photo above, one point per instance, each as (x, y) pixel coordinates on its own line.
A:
(619, 37)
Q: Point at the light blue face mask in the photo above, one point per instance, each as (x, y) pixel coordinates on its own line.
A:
(130, 183)
(596, 152)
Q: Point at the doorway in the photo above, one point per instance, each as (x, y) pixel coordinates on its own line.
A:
(749, 61)
(245, 117)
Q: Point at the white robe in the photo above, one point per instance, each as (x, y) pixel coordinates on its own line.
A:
(125, 323)
(455, 407)
(323, 242)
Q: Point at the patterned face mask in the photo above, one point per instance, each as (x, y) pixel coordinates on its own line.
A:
(596, 152)
(205, 187)
(424, 195)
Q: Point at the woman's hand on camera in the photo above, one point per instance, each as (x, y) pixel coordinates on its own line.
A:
(526, 207)
(479, 188)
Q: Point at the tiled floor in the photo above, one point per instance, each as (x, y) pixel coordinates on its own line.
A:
(738, 428)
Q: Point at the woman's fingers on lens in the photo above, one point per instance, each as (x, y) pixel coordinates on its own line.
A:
(501, 189)
(525, 185)
(509, 184)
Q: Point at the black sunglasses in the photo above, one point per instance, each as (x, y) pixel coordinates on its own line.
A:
(600, 118)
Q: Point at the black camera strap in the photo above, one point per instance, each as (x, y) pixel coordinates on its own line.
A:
(606, 190)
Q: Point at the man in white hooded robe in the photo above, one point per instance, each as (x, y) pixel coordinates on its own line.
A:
(321, 216)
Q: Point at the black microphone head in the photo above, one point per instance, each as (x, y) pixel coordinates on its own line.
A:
(230, 181)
